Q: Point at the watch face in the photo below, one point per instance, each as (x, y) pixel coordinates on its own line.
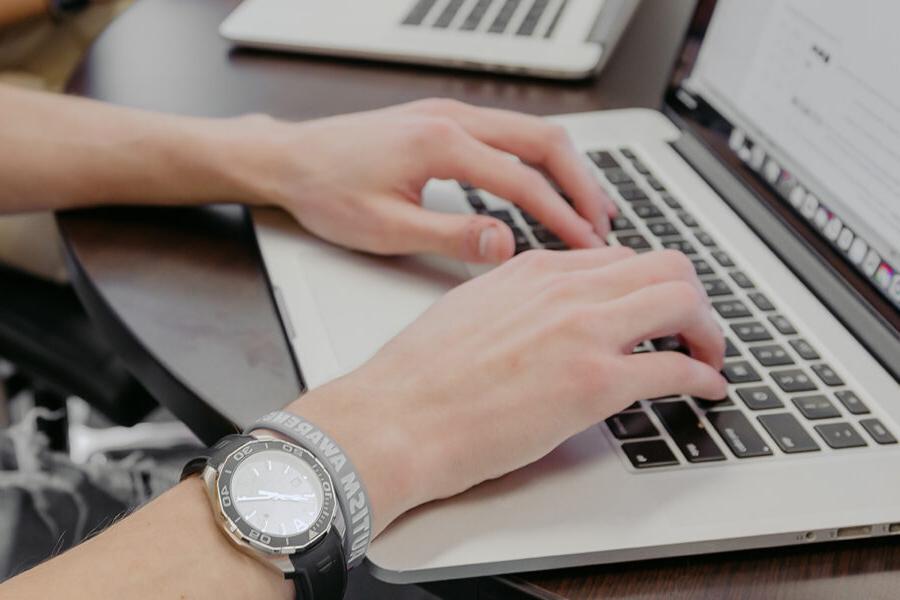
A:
(276, 495)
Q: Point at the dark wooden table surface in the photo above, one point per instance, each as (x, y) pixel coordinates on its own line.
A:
(183, 295)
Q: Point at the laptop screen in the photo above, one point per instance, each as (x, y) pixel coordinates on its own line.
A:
(804, 95)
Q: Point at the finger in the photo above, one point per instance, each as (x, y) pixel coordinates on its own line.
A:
(670, 308)
(656, 374)
(456, 155)
(540, 142)
(642, 270)
(471, 238)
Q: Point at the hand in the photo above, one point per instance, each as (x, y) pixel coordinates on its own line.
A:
(509, 365)
(356, 180)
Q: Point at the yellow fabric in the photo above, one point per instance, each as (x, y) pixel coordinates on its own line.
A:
(42, 55)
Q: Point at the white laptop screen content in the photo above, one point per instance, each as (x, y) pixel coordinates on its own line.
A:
(815, 85)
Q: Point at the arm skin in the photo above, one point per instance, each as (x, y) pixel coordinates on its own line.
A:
(62, 152)
(542, 343)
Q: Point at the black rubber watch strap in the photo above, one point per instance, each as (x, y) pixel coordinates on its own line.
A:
(321, 571)
(216, 454)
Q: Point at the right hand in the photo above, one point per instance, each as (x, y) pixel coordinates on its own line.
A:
(509, 365)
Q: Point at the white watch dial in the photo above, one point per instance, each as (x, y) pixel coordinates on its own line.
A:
(276, 493)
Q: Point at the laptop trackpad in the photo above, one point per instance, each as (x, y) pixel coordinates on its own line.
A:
(346, 304)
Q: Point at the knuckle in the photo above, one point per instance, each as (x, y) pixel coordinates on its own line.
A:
(557, 135)
(684, 294)
(677, 262)
(434, 130)
(534, 260)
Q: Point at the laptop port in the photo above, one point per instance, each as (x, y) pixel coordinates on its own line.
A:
(894, 528)
(845, 532)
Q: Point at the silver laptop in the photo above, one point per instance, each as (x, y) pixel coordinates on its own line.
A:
(565, 39)
(774, 166)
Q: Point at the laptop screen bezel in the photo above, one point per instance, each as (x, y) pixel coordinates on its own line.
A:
(712, 129)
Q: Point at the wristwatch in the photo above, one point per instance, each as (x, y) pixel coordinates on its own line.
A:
(276, 501)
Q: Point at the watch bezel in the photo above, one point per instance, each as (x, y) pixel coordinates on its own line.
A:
(246, 533)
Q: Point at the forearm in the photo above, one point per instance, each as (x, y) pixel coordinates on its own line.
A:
(172, 548)
(62, 152)
(14, 11)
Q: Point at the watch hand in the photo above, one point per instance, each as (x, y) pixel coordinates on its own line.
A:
(279, 496)
(244, 498)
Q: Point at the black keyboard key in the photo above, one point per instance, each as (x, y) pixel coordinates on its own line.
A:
(446, 16)
(731, 309)
(532, 17)
(629, 425)
(687, 218)
(640, 167)
(782, 324)
(530, 219)
(618, 177)
(646, 210)
(761, 301)
(704, 238)
(740, 372)
(804, 349)
(418, 12)
(739, 434)
(716, 287)
(633, 194)
(702, 267)
(751, 331)
(840, 435)
(852, 402)
(521, 240)
(655, 184)
(760, 397)
(556, 246)
(662, 228)
(878, 431)
(604, 160)
(503, 215)
(741, 279)
(687, 431)
(544, 235)
(628, 153)
(669, 343)
(501, 21)
(722, 258)
(730, 349)
(681, 245)
(771, 355)
(827, 375)
(816, 407)
(788, 433)
(620, 223)
(793, 380)
(635, 241)
(476, 202)
(671, 202)
(650, 453)
(705, 404)
(473, 19)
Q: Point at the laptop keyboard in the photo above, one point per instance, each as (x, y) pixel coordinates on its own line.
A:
(783, 397)
(512, 17)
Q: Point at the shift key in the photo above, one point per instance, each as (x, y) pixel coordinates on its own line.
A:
(687, 431)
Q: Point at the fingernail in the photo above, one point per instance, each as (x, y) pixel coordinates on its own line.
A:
(485, 239)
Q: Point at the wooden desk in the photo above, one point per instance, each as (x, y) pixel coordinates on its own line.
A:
(183, 295)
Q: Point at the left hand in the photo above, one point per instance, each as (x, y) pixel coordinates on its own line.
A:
(356, 180)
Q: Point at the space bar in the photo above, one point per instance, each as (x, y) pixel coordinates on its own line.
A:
(687, 431)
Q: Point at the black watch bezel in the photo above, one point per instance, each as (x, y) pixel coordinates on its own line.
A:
(274, 544)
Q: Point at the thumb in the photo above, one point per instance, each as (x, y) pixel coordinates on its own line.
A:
(471, 238)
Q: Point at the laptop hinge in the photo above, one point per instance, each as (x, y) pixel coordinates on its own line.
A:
(843, 301)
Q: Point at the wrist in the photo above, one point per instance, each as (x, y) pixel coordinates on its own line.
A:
(384, 453)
